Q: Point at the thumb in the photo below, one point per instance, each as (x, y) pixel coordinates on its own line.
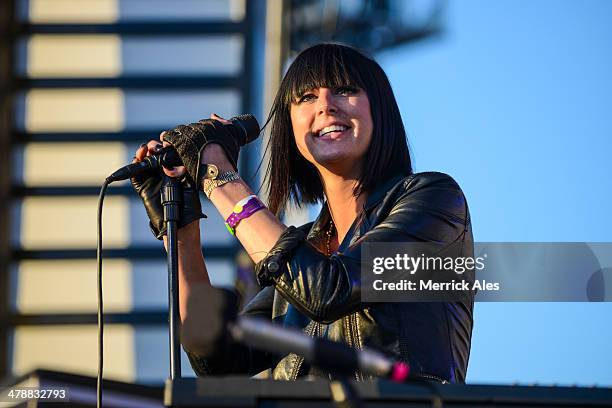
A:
(220, 119)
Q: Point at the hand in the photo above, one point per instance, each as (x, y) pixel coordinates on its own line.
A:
(190, 140)
(214, 154)
(148, 187)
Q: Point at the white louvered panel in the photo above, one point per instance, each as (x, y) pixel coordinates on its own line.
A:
(73, 349)
(70, 222)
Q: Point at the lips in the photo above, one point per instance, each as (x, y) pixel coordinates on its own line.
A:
(331, 131)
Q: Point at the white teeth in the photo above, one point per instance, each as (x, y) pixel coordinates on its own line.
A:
(332, 128)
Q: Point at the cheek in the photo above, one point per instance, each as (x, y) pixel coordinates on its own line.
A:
(300, 141)
(366, 122)
(300, 130)
(302, 146)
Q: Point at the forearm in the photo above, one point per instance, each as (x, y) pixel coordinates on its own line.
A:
(259, 232)
(192, 269)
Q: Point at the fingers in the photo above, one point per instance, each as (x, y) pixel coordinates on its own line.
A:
(146, 149)
(141, 152)
(153, 147)
(220, 119)
(161, 137)
(178, 171)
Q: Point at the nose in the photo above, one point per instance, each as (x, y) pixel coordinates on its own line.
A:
(327, 102)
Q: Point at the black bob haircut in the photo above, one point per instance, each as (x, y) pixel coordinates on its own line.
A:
(289, 175)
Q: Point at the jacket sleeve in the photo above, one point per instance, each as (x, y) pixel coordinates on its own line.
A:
(427, 207)
(235, 358)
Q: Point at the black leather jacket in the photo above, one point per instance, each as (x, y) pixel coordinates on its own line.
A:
(321, 295)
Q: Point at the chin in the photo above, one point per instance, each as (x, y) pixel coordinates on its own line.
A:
(338, 164)
(330, 159)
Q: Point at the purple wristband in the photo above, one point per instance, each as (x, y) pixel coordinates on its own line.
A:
(243, 209)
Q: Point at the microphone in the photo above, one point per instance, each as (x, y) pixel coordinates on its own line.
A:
(244, 128)
(216, 311)
(337, 358)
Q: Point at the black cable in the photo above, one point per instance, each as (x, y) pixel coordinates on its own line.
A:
(100, 299)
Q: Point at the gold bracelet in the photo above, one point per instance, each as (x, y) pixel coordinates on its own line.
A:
(212, 179)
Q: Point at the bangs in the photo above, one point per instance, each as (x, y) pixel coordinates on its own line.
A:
(323, 66)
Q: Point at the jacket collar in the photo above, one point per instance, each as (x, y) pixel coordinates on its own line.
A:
(373, 199)
(379, 192)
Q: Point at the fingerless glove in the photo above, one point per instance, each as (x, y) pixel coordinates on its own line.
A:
(190, 140)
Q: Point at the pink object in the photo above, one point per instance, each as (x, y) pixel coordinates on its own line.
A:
(399, 372)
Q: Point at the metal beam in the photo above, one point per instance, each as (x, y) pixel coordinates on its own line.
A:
(135, 136)
(132, 252)
(7, 13)
(137, 82)
(20, 191)
(248, 156)
(143, 318)
(165, 28)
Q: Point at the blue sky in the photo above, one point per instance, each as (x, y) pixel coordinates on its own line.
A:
(514, 100)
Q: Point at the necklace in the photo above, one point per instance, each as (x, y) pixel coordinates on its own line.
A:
(329, 237)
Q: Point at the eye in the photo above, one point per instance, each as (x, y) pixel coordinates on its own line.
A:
(307, 97)
(346, 90)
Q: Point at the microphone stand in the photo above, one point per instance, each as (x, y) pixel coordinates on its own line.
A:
(171, 196)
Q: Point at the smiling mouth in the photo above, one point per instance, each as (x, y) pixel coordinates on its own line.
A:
(331, 132)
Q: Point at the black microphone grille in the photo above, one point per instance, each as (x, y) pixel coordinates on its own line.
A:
(249, 124)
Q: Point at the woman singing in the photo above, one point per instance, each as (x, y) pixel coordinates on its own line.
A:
(337, 138)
